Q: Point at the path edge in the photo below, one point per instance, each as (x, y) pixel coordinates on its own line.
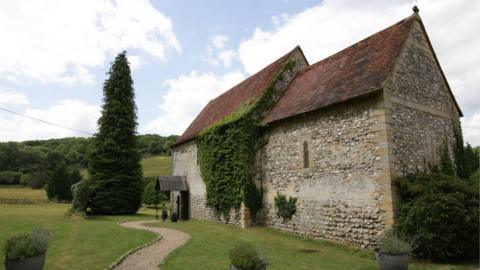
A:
(124, 256)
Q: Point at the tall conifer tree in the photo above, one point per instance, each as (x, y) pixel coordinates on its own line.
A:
(115, 170)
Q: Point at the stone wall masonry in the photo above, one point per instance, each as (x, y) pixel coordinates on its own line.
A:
(338, 195)
(423, 113)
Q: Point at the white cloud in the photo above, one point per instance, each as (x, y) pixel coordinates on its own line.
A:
(471, 129)
(71, 113)
(333, 25)
(9, 97)
(61, 40)
(217, 53)
(185, 98)
(219, 41)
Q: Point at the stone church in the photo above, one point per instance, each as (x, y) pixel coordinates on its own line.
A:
(341, 132)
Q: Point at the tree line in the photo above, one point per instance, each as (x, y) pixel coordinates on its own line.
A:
(33, 163)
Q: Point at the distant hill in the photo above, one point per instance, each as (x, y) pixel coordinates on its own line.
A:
(156, 166)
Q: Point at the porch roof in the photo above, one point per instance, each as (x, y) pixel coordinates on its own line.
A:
(171, 183)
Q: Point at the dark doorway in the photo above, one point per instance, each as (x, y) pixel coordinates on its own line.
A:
(184, 205)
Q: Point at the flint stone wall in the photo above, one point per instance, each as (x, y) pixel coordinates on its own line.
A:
(423, 113)
(338, 195)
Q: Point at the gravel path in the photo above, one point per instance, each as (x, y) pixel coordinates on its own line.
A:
(151, 256)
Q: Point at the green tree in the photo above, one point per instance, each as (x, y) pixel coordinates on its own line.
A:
(151, 197)
(446, 166)
(114, 166)
(460, 158)
(472, 160)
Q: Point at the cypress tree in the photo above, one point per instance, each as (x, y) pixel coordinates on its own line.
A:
(116, 175)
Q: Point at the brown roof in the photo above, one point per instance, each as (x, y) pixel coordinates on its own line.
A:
(353, 72)
(229, 101)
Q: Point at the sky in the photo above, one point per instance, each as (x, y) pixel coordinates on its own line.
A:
(54, 54)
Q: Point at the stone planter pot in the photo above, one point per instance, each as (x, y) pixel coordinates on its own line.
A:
(30, 263)
(392, 261)
(164, 215)
(233, 267)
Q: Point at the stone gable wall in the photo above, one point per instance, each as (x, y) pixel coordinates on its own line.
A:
(339, 196)
(422, 110)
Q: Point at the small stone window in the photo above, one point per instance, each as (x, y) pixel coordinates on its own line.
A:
(306, 155)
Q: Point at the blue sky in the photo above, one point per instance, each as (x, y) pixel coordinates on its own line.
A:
(54, 54)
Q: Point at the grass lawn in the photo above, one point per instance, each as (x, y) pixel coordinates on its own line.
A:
(21, 192)
(211, 241)
(92, 243)
(157, 165)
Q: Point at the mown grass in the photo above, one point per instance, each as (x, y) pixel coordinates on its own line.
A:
(211, 242)
(79, 243)
(21, 192)
(156, 166)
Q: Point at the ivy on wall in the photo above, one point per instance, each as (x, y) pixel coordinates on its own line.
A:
(226, 153)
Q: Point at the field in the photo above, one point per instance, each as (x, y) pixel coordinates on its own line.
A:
(156, 166)
(21, 192)
(152, 166)
(211, 241)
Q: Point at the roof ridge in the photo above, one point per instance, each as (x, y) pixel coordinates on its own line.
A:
(414, 15)
(264, 68)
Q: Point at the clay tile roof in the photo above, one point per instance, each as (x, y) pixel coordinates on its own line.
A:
(355, 71)
(229, 101)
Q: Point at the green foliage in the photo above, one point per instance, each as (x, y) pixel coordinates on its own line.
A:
(27, 245)
(10, 178)
(151, 197)
(81, 194)
(391, 243)
(35, 180)
(245, 256)
(226, 154)
(114, 165)
(440, 213)
(61, 179)
(466, 158)
(472, 160)
(286, 208)
(446, 165)
(153, 144)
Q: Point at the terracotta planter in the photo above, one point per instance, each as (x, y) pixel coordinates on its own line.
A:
(392, 261)
(233, 267)
(30, 263)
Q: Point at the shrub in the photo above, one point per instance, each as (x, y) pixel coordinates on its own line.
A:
(285, 208)
(81, 195)
(441, 214)
(27, 245)
(391, 244)
(245, 256)
(10, 178)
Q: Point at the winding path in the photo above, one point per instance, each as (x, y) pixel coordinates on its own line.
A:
(151, 256)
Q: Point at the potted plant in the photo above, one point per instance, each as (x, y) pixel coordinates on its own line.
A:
(173, 217)
(27, 251)
(392, 252)
(164, 212)
(245, 257)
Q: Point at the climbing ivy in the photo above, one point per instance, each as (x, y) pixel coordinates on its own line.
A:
(226, 153)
